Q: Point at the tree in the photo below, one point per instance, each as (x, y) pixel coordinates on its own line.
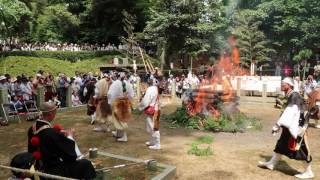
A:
(13, 16)
(303, 55)
(103, 23)
(292, 25)
(129, 22)
(182, 28)
(252, 43)
(57, 25)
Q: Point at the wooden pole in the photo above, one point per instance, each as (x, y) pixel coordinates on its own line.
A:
(144, 60)
(150, 64)
(144, 63)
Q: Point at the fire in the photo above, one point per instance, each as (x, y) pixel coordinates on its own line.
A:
(217, 91)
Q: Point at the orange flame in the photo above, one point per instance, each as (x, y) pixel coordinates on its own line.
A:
(228, 65)
(236, 56)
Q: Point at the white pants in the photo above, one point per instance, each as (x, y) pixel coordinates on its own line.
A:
(149, 124)
(155, 135)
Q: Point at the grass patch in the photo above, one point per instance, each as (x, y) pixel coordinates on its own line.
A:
(202, 146)
(71, 56)
(16, 65)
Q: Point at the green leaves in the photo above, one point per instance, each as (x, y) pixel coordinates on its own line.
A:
(57, 24)
(303, 55)
(13, 16)
(293, 24)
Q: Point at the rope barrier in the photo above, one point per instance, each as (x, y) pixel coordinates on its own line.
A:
(37, 173)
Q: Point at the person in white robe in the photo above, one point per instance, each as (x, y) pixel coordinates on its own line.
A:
(120, 95)
(293, 140)
(151, 98)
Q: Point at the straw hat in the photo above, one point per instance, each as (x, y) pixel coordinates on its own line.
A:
(2, 78)
(47, 107)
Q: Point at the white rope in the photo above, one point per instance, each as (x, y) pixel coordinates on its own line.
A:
(146, 162)
(37, 173)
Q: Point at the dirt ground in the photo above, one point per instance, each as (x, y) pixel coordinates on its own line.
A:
(235, 154)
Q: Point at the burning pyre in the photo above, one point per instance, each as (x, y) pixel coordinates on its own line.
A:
(212, 99)
(215, 95)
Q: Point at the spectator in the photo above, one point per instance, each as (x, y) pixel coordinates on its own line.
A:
(3, 81)
(62, 89)
(26, 89)
(309, 85)
(50, 87)
(75, 99)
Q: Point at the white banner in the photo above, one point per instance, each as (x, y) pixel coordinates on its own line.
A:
(256, 83)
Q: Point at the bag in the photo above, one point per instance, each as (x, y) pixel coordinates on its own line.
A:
(292, 144)
(150, 110)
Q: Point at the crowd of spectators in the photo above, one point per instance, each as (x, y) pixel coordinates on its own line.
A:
(23, 88)
(64, 47)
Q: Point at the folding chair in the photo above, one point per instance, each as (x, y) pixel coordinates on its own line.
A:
(32, 110)
(10, 111)
(3, 122)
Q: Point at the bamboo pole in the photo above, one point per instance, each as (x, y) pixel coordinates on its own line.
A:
(151, 64)
(144, 63)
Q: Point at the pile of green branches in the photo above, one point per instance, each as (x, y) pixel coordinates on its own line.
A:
(224, 123)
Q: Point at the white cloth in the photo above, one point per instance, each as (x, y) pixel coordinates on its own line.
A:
(76, 147)
(75, 100)
(297, 86)
(116, 91)
(290, 119)
(150, 98)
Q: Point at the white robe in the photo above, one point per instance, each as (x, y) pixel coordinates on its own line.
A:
(116, 91)
(290, 119)
(150, 98)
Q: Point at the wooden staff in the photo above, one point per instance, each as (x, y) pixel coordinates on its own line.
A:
(37, 173)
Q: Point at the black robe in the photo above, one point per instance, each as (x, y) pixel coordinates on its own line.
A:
(58, 156)
(282, 146)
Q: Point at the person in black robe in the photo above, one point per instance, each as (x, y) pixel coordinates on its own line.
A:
(293, 124)
(54, 150)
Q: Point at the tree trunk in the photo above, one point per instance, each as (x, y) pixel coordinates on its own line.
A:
(163, 57)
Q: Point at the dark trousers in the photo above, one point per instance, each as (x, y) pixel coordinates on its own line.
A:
(81, 169)
(282, 147)
(62, 96)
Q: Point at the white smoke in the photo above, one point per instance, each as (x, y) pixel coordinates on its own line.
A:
(231, 7)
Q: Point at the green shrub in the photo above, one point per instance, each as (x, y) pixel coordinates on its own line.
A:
(71, 56)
